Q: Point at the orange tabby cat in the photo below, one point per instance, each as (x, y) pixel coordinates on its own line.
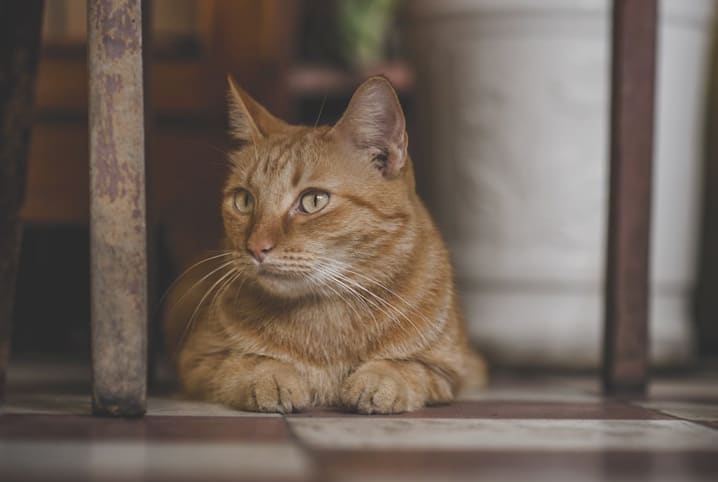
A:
(335, 287)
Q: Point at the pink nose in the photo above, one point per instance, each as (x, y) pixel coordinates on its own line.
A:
(259, 250)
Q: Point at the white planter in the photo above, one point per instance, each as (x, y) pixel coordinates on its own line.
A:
(514, 103)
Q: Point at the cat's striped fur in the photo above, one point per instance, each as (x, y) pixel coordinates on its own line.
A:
(353, 305)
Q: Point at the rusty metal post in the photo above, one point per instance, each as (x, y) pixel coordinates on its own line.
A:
(20, 25)
(625, 362)
(117, 208)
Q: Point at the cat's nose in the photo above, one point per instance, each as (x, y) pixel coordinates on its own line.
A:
(259, 250)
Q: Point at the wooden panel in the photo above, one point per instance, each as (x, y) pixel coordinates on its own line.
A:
(58, 175)
(179, 88)
(118, 240)
(19, 44)
(632, 119)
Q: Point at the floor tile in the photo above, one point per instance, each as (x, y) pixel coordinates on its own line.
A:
(523, 427)
(536, 389)
(127, 461)
(485, 409)
(47, 403)
(520, 394)
(175, 429)
(512, 466)
(702, 389)
(496, 434)
(178, 407)
(700, 412)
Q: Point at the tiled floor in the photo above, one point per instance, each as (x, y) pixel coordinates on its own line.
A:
(520, 429)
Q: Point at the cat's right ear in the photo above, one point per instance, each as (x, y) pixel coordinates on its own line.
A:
(374, 123)
(249, 121)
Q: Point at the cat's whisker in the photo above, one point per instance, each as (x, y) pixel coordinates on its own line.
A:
(185, 272)
(237, 291)
(199, 281)
(350, 291)
(415, 310)
(188, 326)
(367, 304)
(220, 291)
(219, 286)
(343, 281)
(385, 303)
(345, 268)
(321, 109)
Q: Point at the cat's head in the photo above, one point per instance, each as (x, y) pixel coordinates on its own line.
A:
(320, 210)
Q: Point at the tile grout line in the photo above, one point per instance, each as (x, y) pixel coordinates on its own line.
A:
(316, 474)
(713, 425)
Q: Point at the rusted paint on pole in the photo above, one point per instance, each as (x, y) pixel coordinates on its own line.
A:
(20, 24)
(117, 208)
(625, 364)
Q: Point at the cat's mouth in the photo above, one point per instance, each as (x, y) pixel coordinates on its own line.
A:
(275, 274)
(283, 282)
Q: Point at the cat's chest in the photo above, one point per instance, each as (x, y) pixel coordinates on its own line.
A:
(323, 343)
(323, 353)
(324, 339)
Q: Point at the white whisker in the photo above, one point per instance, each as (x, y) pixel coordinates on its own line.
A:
(349, 290)
(188, 326)
(385, 303)
(387, 289)
(185, 272)
(351, 285)
(196, 283)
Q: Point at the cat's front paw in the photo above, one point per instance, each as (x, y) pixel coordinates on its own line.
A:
(377, 390)
(271, 387)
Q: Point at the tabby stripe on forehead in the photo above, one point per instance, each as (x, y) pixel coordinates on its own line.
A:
(296, 140)
(297, 175)
(253, 171)
(281, 146)
(399, 216)
(274, 159)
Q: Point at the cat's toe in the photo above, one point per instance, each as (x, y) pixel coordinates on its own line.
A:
(283, 393)
(293, 395)
(271, 386)
(369, 392)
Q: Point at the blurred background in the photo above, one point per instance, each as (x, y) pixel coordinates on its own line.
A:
(507, 110)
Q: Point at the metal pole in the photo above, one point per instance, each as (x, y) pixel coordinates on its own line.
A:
(117, 208)
(625, 362)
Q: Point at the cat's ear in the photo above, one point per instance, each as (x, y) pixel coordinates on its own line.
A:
(375, 122)
(249, 121)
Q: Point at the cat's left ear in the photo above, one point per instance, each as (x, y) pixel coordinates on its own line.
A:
(249, 121)
(374, 122)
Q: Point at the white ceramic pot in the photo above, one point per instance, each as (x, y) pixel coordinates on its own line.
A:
(513, 111)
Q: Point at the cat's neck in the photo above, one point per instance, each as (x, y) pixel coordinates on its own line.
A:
(344, 325)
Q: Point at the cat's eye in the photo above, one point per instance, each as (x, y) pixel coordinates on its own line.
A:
(313, 201)
(243, 201)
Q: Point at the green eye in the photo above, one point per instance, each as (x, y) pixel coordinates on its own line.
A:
(313, 201)
(243, 201)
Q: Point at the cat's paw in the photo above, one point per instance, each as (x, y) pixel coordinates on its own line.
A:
(272, 387)
(371, 390)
